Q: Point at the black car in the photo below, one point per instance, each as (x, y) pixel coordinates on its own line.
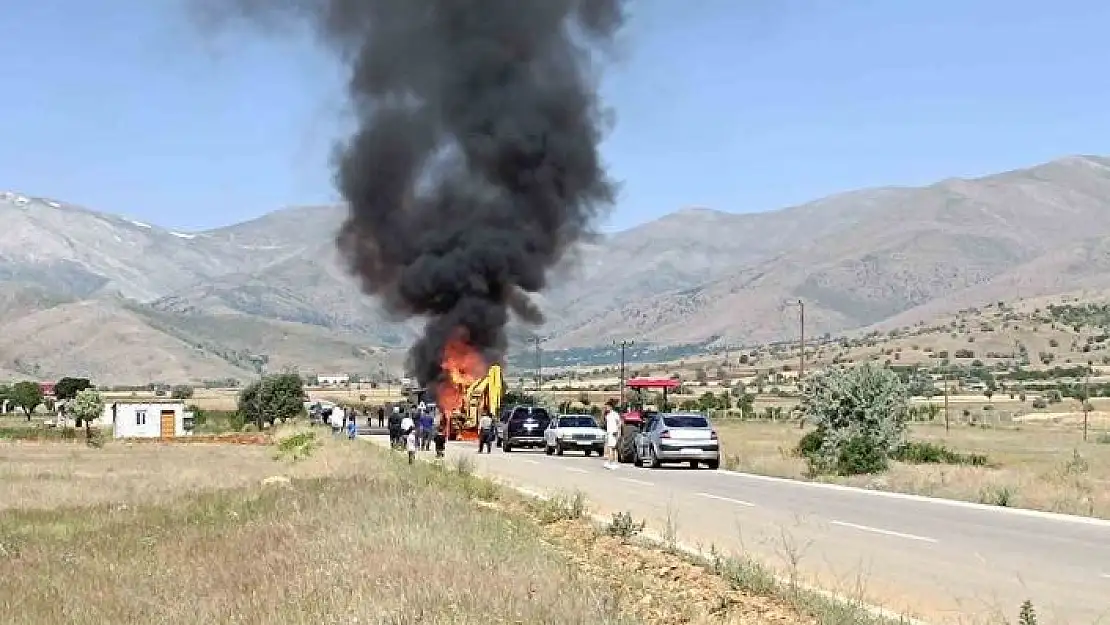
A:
(525, 427)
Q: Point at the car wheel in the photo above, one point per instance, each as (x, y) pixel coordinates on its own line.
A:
(547, 449)
(714, 464)
(506, 447)
(693, 464)
(587, 452)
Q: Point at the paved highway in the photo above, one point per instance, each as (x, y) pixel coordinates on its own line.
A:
(940, 561)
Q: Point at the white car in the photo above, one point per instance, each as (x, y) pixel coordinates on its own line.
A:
(579, 432)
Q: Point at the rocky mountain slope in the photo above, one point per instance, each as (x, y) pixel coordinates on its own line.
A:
(84, 291)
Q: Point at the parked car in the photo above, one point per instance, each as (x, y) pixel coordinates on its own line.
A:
(578, 432)
(678, 437)
(525, 428)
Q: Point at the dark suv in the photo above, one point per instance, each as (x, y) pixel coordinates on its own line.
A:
(524, 427)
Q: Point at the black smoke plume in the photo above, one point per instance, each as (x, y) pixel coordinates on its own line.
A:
(475, 163)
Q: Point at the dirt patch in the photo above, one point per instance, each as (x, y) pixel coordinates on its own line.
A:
(663, 588)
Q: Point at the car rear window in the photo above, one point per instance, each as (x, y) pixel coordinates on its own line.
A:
(577, 422)
(685, 421)
(522, 415)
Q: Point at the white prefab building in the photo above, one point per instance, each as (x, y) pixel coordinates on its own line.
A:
(147, 420)
(333, 380)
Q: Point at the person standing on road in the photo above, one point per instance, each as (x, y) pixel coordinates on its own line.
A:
(381, 416)
(395, 428)
(612, 433)
(411, 443)
(408, 426)
(427, 429)
(352, 428)
(336, 420)
(441, 433)
(485, 432)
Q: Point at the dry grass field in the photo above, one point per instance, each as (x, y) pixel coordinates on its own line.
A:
(349, 533)
(1033, 465)
(226, 399)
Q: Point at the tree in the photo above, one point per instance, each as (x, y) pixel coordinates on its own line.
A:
(275, 397)
(746, 404)
(87, 406)
(67, 388)
(989, 393)
(182, 391)
(860, 417)
(27, 395)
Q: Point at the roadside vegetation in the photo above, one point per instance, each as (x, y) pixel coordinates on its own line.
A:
(346, 532)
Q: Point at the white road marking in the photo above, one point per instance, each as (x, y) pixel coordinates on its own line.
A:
(632, 480)
(1105, 576)
(876, 530)
(529, 461)
(728, 499)
(575, 470)
(871, 492)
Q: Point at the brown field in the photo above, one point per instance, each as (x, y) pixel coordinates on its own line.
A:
(226, 399)
(1035, 465)
(349, 534)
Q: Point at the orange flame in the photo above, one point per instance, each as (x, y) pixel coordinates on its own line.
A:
(462, 365)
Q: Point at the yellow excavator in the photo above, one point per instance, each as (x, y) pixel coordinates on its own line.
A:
(483, 394)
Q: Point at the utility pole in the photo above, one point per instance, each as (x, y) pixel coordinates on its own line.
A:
(801, 343)
(539, 363)
(1086, 398)
(260, 361)
(946, 427)
(624, 345)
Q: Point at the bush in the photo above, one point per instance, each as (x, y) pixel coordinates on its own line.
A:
(809, 444)
(920, 452)
(860, 455)
(860, 417)
(182, 391)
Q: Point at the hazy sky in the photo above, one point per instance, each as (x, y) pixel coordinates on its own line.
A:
(740, 105)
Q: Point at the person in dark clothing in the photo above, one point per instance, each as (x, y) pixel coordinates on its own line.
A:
(381, 416)
(395, 428)
(440, 436)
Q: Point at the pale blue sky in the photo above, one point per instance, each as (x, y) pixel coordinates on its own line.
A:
(740, 105)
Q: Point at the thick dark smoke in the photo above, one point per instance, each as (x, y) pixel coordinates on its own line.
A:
(475, 163)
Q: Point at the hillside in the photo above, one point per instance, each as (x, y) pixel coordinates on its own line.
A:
(73, 278)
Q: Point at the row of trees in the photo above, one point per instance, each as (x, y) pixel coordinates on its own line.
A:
(28, 395)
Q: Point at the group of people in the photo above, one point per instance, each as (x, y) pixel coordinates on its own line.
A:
(418, 429)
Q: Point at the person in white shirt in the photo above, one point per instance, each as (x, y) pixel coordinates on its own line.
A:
(407, 425)
(612, 433)
(337, 419)
(410, 443)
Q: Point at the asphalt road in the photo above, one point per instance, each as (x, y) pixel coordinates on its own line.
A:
(939, 561)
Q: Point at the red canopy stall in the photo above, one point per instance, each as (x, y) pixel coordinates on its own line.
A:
(664, 384)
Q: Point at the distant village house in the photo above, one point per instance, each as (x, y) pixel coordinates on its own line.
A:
(333, 380)
(167, 419)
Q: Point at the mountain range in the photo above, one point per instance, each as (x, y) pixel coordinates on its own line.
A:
(84, 292)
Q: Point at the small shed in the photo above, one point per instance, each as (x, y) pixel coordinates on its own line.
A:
(166, 419)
